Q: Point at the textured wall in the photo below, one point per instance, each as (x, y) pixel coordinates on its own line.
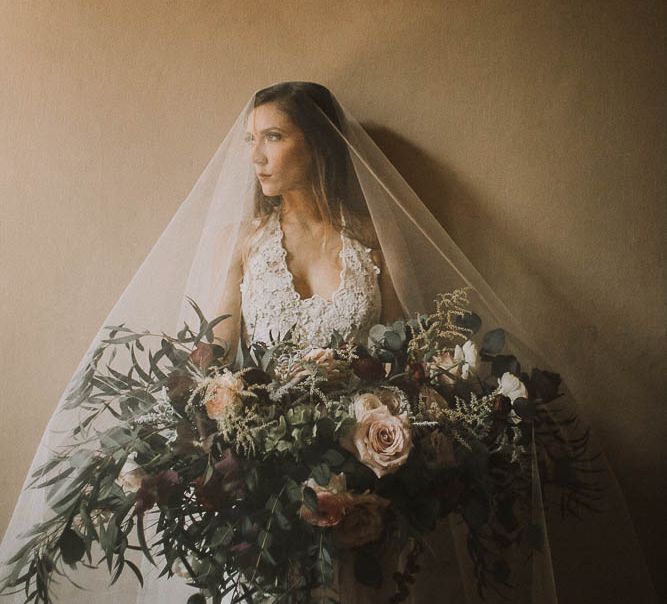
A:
(535, 130)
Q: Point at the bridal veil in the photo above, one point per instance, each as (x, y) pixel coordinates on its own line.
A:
(195, 257)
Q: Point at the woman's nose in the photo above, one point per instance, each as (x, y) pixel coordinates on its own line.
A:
(258, 156)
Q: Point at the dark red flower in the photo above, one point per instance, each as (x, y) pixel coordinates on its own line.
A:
(166, 484)
(417, 373)
(156, 489)
(368, 368)
(240, 548)
(244, 554)
(502, 405)
(144, 501)
(179, 388)
(205, 354)
(224, 486)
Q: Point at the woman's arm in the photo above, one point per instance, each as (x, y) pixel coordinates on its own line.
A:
(228, 331)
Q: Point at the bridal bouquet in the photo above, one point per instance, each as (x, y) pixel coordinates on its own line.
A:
(251, 481)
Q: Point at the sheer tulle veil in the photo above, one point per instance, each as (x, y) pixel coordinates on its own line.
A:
(195, 257)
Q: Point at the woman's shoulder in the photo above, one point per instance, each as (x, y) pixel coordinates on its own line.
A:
(363, 230)
(250, 233)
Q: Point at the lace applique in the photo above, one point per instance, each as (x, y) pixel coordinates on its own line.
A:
(271, 305)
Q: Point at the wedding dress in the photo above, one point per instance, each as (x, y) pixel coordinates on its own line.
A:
(271, 305)
(194, 259)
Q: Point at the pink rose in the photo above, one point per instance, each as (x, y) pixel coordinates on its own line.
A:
(223, 395)
(380, 440)
(363, 403)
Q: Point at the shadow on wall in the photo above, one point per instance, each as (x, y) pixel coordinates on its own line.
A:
(512, 258)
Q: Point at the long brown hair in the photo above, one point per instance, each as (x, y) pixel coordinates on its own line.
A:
(335, 187)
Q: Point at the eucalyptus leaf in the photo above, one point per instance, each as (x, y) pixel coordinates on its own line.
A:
(376, 332)
(137, 367)
(494, 341)
(322, 474)
(310, 498)
(333, 458)
(71, 546)
(292, 490)
(222, 536)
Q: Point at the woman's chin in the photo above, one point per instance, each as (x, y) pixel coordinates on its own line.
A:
(270, 191)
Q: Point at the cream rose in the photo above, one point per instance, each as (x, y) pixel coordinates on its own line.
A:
(363, 403)
(380, 440)
(223, 395)
(323, 357)
(130, 475)
(363, 521)
(512, 387)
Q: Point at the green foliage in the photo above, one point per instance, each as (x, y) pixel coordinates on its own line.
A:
(228, 492)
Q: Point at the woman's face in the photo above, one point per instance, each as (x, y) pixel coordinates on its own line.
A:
(278, 150)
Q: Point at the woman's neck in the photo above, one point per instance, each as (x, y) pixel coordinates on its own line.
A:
(299, 205)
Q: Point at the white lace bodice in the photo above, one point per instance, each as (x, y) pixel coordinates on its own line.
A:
(270, 303)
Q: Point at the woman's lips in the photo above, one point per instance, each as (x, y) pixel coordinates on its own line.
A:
(263, 176)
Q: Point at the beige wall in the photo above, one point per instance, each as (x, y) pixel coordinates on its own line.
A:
(535, 130)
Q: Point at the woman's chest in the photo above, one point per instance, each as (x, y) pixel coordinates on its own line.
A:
(346, 300)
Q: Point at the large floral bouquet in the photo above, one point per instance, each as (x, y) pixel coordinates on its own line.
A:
(252, 481)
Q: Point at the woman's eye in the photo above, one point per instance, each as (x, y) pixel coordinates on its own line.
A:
(273, 136)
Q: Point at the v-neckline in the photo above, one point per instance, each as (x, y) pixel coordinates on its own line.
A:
(280, 236)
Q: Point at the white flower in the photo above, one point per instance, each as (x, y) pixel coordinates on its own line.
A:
(130, 475)
(461, 364)
(468, 357)
(180, 570)
(337, 484)
(512, 387)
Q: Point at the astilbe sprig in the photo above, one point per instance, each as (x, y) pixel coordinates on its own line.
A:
(443, 328)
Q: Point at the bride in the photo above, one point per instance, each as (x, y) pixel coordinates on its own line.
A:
(303, 265)
(300, 224)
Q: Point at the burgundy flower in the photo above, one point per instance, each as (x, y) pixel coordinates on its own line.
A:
(502, 405)
(368, 368)
(417, 373)
(179, 388)
(205, 354)
(240, 548)
(144, 501)
(156, 489)
(223, 487)
(244, 553)
(167, 482)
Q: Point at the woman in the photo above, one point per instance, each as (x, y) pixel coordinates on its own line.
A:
(304, 267)
(309, 242)
(299, 223)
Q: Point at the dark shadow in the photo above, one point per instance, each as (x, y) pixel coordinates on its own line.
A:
(487, 241)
